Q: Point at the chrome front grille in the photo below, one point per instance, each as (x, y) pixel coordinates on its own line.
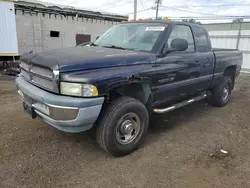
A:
(43, 82)
(42, 77)
(25, 74)
(42, 71)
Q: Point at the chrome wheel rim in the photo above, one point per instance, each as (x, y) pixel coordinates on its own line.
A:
(128, 128)
(225, 94)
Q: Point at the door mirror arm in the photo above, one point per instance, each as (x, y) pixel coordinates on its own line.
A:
(166, 51)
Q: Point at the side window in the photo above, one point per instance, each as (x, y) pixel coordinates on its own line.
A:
(183, 32)
(201, 40)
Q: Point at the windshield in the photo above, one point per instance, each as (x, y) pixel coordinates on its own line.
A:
(132, 36)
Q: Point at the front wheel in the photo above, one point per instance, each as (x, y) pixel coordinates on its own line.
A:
(221, 94)
(123, 126)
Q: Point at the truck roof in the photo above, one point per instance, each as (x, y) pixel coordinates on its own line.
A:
(165, 22)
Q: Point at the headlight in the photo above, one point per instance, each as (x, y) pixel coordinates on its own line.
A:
(76, 89)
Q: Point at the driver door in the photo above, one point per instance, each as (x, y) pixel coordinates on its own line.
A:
(177, 73)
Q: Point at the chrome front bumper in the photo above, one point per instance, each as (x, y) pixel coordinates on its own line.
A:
(68, 114)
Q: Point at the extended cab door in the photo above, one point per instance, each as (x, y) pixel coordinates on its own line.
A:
(178, 72)
(204, 57)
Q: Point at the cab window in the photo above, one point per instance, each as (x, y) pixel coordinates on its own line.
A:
(201, 39)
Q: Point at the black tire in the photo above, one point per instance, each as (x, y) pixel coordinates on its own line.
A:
(107, 126)
(218, 97)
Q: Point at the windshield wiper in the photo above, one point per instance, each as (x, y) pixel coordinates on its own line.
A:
(87, 44)
(113, 46)
(93, 44)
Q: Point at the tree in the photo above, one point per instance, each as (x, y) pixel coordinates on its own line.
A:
(191, 21)
(238, 20)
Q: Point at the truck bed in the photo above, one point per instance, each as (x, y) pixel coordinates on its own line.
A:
(227, 57)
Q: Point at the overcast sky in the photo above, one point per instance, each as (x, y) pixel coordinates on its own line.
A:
(207, 7)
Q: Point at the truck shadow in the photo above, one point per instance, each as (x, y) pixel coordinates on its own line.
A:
(173, 119)
(158, 124)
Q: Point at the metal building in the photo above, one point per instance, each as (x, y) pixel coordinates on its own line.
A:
(234, 36)
(43, 26)
(8, 36)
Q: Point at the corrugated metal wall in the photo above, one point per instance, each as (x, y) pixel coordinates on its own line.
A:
(8, 36)
(232, 36)
(224, 39)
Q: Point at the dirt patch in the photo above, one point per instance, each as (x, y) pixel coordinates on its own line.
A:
(183, 149)
(7, 92)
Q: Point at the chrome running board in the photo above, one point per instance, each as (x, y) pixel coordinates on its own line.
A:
(181, 104)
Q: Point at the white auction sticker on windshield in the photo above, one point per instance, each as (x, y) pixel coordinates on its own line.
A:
(155, 28)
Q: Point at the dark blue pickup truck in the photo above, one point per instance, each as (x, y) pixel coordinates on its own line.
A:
(117, 82)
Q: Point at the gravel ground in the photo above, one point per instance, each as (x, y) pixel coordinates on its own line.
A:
(182, 149)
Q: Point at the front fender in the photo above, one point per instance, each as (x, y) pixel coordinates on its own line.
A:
(108, 78)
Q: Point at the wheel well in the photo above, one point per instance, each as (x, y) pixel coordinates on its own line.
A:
(139, 91)
(230, 72)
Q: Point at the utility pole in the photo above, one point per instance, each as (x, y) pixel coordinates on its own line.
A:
(135, 9)
(158, 2)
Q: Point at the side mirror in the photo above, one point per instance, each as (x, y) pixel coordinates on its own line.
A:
(179, 44)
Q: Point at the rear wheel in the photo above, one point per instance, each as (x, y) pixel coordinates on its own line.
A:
(122, 127)
(221, 94)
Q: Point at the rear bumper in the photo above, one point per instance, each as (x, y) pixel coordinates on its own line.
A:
(68, 114)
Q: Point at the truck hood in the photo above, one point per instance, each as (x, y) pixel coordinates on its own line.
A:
(87, 57)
